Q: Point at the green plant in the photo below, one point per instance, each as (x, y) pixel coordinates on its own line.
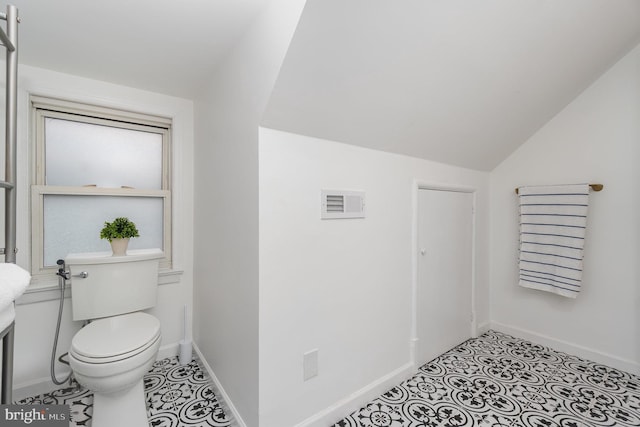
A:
(120, 228)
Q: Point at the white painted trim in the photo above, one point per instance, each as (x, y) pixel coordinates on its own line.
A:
(356, 400)
(413, 337)
(227, 404)
(422, 185)
(168, 350)
(570, 348)
(413, 349)
(38, 386)
(474, 313)
(483, 328)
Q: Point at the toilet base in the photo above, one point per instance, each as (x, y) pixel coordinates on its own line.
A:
(124, 408)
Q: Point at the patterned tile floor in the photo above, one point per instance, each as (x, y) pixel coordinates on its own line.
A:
(176, 396)
(497, 380)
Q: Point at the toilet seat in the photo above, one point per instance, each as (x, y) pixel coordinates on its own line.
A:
(115, 338)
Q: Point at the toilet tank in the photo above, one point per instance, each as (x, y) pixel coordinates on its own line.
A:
(113, 284)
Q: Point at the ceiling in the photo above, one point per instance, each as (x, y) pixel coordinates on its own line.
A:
(458, 81)
(464, 82)
(163, 46)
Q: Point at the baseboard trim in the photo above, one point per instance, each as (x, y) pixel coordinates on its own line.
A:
(166, 351)
(39, 386)
(483, 328)
(570, 348)
(228, 406)
(356, 400)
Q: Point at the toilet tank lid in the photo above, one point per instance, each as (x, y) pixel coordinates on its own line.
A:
(108, 258)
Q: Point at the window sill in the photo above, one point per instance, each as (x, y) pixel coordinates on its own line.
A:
(46, 289)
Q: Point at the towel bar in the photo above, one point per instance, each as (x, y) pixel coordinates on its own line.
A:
(594, 187)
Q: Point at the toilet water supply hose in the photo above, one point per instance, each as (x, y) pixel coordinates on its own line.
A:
(63, 276)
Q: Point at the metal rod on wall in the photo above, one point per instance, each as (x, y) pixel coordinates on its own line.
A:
(594, 187)
(11, 43)
(11, 135)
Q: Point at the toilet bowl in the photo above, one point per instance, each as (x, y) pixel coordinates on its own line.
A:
(110, 355)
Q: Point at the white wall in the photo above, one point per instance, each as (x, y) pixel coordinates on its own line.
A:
(35, 322)
(594, 139)
(226, 245)
(341, 286)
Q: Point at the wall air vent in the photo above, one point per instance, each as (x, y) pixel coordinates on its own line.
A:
(339, 204)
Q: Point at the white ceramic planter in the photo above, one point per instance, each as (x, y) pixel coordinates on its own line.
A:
(119, 246)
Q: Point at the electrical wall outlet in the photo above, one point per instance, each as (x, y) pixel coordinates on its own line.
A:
(310, 364)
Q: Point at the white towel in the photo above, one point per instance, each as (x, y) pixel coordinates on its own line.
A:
(553, 221)
(13, 282)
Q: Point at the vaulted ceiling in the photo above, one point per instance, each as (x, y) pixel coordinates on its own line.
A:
(158, 45)
(463, 82)
(458, 81)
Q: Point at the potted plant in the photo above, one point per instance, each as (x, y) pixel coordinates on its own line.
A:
(118, 234)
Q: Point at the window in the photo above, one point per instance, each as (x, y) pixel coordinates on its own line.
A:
(94, 164)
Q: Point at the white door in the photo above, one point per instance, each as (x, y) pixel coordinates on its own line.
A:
(445, 237)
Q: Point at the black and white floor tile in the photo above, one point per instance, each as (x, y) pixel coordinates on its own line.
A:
(176, 396)
(181, 396)
(497, 381)
(80, 402)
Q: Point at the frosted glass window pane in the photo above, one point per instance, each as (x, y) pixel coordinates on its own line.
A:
(72, 224)
(83, 154)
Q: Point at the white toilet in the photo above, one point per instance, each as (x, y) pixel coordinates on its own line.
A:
(111, 355)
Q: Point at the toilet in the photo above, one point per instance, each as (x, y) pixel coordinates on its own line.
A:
(111, 354)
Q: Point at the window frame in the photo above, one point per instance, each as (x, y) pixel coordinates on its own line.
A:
(44, 107)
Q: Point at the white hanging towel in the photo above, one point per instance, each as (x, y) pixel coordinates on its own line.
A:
(553, 221)
(13, 282)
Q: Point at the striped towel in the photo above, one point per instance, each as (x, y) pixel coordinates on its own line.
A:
(553, 221)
